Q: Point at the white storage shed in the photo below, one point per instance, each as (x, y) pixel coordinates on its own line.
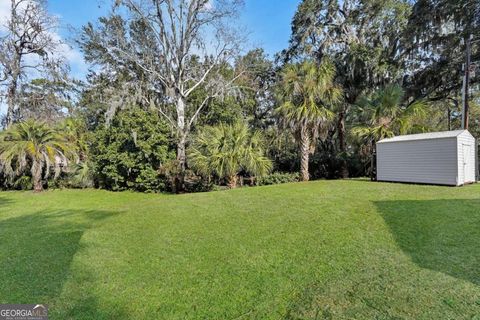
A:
(446, 158)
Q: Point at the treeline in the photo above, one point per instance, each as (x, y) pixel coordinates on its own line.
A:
(171, 104)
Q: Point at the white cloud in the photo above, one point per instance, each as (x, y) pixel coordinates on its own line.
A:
(209, 5)
(3, 108)
(4, 10)
(72, 55)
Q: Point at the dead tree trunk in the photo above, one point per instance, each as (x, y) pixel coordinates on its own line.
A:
(181, 143)
(12, 94)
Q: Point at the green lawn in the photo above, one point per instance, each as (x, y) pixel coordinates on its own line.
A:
(319, 250)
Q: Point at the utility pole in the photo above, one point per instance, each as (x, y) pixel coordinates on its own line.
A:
(466, 79)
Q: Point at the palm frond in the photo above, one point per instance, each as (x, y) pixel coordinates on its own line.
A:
(226, 150)
(309, 96)
(33, 145)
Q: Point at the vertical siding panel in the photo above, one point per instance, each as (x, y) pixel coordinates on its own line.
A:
(433, 161)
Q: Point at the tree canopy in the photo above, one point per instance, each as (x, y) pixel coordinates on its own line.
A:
(176, 99)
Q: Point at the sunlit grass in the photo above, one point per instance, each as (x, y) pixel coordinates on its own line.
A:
(326, 249)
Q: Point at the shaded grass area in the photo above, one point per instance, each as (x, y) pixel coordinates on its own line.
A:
(32, 242)
(440, 235)
(320, 250)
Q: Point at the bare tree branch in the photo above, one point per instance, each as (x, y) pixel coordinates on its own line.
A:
(171, 43)
(29, 33)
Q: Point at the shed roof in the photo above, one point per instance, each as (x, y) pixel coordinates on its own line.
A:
(424, 136)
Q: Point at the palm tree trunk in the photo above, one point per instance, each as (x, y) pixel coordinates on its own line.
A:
(343, 144)
(37, 176)
(232, 182)
(304, 154)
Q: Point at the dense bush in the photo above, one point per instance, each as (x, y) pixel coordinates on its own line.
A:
(277, 178)
(22, 183)
(129, 153)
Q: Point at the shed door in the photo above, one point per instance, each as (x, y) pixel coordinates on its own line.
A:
(468, 164)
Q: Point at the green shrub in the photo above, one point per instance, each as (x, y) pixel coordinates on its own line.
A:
(196, 183)
(128, 154)
(277, 178)
(82, 175)
(23, 183)
(148, 180)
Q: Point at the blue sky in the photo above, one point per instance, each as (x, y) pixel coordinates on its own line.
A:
(268, 22)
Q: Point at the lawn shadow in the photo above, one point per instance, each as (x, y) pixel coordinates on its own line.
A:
(440, 235)
(36, 251)
(89, 307)
(4, 202)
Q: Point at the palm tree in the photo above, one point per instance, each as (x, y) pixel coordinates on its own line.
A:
(35, 146)
(75, 132)
(308, 92)
(226, 150)
(385, 115)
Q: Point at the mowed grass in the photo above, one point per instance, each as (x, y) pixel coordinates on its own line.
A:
(321, 250)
